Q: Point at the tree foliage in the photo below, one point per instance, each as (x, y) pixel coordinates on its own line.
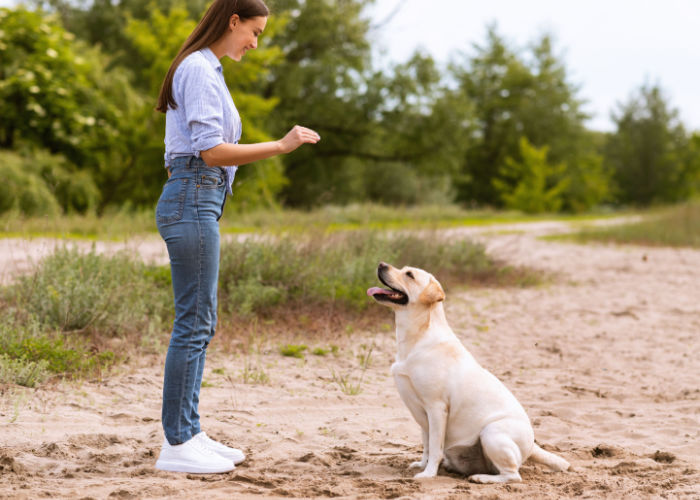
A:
(501, 126)
(539, 185)
(650, 153)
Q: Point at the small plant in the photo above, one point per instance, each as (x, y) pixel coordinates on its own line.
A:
(218, 371)
(254, 374)
(293, 350)
(320, 351)
(346, 384)
(22, 372)
(365, 355)
(345, 381)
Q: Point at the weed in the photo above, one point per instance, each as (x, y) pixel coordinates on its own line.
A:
(293, 350)
(365, 355)
(22, 372)
(346, 383)
(254, 374)
(320, 351)
(349, 385)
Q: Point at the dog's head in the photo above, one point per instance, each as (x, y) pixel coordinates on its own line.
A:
(406, 286)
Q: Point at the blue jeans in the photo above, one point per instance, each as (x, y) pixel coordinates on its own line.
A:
(187, 216)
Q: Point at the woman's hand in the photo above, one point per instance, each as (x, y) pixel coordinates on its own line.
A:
(296, 137)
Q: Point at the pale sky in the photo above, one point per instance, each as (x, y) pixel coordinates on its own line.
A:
(610, 47)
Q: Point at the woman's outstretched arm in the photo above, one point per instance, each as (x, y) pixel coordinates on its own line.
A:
(240, 154)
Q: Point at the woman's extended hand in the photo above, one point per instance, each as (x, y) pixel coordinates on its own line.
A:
(296, 137)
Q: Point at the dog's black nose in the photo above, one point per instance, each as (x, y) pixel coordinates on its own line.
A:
(382, 265)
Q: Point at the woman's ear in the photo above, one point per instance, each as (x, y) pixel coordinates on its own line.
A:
(233, 22)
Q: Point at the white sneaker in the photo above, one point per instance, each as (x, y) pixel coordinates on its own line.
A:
(233, 454)
(192, 456)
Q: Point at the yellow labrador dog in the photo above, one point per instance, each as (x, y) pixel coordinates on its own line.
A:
(470, 421)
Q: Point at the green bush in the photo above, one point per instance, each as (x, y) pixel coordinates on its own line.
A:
(72, 291)
(30, 353)
(39, 183)
(335, 270)
(22, 189)
(22, 372)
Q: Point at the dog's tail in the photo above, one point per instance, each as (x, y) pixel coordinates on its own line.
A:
(551, 460)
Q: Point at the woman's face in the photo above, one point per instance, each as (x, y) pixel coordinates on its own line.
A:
(243, 35)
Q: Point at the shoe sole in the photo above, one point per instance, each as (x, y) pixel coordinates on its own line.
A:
(237, 460)
(174, 466)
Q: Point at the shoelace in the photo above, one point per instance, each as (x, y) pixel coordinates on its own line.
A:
(203, 447)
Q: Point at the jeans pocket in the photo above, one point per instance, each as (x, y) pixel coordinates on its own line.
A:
(211, 181)
(171, 204)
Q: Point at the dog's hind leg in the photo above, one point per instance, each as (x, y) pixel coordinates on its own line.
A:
(503, 452)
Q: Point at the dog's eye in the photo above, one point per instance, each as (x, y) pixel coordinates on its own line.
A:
(410, 275)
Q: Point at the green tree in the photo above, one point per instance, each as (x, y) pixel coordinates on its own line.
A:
(650, 153)
(56, 94)
(528, 95)
(539, 185)
(387, 135)
(325, 54)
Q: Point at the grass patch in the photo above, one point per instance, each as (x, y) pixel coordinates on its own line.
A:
(125, 223)
(30, 354)
(75, 291)
(677, 226)
(113, 225)
(301, 274)
(78, 312)
(293, 350)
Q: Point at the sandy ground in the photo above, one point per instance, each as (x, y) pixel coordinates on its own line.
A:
(605, 360)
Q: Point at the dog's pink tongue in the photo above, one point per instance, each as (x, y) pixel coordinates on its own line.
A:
(375, 290)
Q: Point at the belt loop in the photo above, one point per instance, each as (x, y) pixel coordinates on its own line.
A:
(189, 161)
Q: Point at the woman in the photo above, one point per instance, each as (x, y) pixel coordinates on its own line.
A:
(201, 135)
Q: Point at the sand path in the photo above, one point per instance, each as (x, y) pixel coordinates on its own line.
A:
(605, 360)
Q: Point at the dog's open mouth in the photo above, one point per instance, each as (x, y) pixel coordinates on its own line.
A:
(390, 294)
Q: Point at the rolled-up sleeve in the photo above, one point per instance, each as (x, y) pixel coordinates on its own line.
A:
(203, 107)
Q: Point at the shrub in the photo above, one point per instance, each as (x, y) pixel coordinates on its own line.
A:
(22, 189)
(30, 354)
(72, 291)
(21, 371)
(335, 269)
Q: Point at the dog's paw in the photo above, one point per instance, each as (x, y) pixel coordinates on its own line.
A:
(490, 479)
(424, 475)
(417, 465)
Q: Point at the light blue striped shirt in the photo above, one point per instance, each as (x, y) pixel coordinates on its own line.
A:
(205, 116)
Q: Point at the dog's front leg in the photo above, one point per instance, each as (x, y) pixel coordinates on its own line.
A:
(437, 424)
(424, 459)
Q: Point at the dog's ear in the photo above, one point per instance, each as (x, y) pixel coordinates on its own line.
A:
(433, 293)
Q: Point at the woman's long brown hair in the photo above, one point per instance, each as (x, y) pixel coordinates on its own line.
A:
(212, 27)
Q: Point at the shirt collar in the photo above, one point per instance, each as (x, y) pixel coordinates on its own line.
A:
(211, 58)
